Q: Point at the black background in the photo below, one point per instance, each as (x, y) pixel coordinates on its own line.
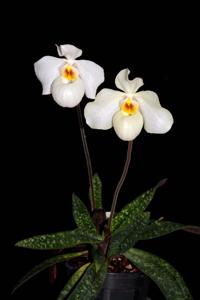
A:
(44, 158)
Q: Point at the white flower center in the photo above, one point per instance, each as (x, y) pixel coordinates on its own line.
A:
(69, 73)
(129, 107)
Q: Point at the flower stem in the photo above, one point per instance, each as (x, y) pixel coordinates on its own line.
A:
(121, 181)
(87, 155)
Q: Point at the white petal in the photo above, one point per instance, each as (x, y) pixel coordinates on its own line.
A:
(92, 75)
(46, 70)
(127, 127)
(69, 51)
(156, 118)
(67, 94)
(126, 85)
(99, 113)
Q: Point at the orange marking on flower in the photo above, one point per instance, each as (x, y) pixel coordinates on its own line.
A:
(69, 73)
(129, 107)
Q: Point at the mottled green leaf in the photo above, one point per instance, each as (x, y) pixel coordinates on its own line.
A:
(134, 208)
(160, 228)
(161, 272)
(90, 284)
(46, 264)
(81, 215)
(131, 210)
(126, 238)
(72, 282)
(98, 283)
(140, 229)
(85, 283)
(98, 258)
(97, 188)
(59, 240)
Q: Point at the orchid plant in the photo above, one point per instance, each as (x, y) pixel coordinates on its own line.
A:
(100, 236)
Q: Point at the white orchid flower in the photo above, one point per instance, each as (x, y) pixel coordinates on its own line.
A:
(129, 110)
(68, 79)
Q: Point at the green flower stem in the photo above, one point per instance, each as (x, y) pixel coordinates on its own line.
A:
(121, 181)
(87, 154)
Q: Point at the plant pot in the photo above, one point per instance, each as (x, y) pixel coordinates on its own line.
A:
(124, 286)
